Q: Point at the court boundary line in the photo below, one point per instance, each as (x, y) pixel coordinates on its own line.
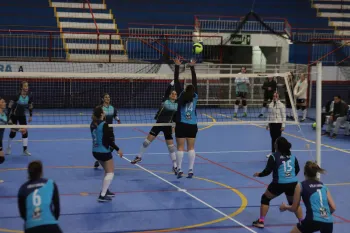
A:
(240, 209)
(194, 197)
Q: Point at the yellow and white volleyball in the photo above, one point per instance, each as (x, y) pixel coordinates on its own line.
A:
(197, 48)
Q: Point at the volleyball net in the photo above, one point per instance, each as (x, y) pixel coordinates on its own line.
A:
(66, 100)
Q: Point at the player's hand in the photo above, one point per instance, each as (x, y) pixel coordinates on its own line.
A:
(120, 153)
(177, 61)
(30, 119)
(193, 62)
(256, 174)
(283, 207)
(269, 88)
(331, 118)
(282, 129)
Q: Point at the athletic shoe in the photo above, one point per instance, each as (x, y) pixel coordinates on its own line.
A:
(110, 194)
(190, 174)
(136, 160)
(179, 174)
(258, 223)
(175, 170)
(26, 153)
(104, 199)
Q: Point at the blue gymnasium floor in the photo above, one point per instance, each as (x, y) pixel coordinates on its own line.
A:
(227, 157)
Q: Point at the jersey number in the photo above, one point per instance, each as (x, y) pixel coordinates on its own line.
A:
(36, 198)
(287, 167)
(189, 107)
(323, 211)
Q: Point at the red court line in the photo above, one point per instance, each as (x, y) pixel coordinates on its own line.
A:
(237, 172)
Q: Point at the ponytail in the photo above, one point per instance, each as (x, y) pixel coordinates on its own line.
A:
(311, 169)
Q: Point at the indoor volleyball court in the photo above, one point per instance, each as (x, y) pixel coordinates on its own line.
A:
(222, 196)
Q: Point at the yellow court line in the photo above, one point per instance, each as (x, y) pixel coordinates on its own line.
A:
(295, 136)
(208, 126)
(244, 201)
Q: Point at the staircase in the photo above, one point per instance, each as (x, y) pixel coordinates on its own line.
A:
(97, 39)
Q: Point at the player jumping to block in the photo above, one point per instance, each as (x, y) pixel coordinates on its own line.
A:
(285, 168)
(17, 114)
(269, 87)
(242, 84)
(111, 114)
(186, 119)
(318, 202)
(165, 114)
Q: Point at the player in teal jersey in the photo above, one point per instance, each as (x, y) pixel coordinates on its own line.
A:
(165, 114)
(285, 168)
(102, 146)
(318, 202)
(111, 114)
(39, 202)
(186, 118)
(17, 114)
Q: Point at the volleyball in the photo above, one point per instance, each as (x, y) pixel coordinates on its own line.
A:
(197, 48)
(314, 125)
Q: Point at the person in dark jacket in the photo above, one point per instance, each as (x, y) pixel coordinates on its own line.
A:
(269, 87)
(338, 116)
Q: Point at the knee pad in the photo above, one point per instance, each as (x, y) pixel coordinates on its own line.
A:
(237, 102)
(12, 134)
(264, 104)
(265, 200)
(303, 108)
(244, 102)
(146, 143)
(2, 159)
(25, 135)
(171, 148)
(109, 176)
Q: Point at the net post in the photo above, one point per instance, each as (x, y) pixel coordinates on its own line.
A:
(318, 115)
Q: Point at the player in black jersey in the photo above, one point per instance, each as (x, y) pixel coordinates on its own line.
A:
(111, 114)
(269, 87)
(39, 202)
(165, 114)
(17, 114)
(318, 202)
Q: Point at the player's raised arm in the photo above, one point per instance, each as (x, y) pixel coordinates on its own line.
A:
(194, 75)
(177, 83)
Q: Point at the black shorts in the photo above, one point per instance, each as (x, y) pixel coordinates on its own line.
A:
(167, 131)
(242, 95)
(102, 156)
(54, 228)
(20, 120)
(277, 189)
(183, 130)
(310, 226)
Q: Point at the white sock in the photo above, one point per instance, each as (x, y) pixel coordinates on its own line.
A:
(263, 110)
(191, 158)
(25, 141)
(179, 156)
(143, 148)
(304, 114)
(106, 183)
(245, 108)
(10, 142)
(173, 158)
(236, 108)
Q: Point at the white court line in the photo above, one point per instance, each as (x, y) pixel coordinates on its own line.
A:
(194, 197)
